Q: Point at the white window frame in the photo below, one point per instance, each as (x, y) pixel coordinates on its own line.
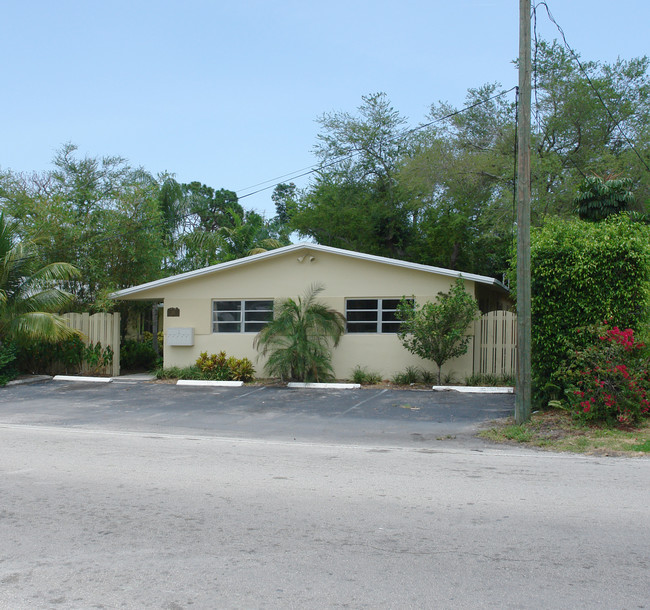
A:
(242, 320)
(379, 322)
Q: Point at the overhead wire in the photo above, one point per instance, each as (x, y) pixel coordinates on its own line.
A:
(590, 82)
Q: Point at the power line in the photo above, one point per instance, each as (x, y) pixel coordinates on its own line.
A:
(319, 167)
(591, 84)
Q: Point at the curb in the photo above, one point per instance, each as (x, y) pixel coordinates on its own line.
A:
(202, 382)
(295, 385)
(473, 390)
(82, 378)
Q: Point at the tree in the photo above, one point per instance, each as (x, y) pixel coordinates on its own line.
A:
(599, 197)
(437, 331)
(99, 215)
(29, 296)
(299, 339)
(359, 158)
(583, 273)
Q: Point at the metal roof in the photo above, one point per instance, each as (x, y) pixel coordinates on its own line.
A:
(298, 247)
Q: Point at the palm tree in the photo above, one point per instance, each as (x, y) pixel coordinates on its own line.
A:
(29, 297)
(299, 339)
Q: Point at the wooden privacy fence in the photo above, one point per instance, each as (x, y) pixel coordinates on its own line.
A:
(495, 343)
(100, 327)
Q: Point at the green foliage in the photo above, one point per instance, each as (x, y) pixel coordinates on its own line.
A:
(356, 201)
(364, 377)
(437, 331)
(599, 197)
(147, 337)
(97, 358)
(137, 355)
(608, 381)
(410, 376)
(219, 367)
(30, 297)
(299, 338)
(99, 215)
(44, 357)
(175, 372)
(8, 369)
(581, 274)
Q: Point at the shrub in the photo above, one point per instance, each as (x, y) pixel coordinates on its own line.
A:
(363, 377)
(44, 357)
(147, 337)
(219, 367)
(137, 355)
(97, 357)
(608, 381)
(411, 375)
(583, 273)
(7, 363)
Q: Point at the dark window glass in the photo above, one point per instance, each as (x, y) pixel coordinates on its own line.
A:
(362, 315)
(227, 316)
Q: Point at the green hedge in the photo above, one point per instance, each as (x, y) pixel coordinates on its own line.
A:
(583, 274)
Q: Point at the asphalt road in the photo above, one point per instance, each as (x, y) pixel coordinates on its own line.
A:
(104, 506)
(376, 416)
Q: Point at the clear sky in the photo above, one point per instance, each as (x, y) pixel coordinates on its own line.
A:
(227, 93)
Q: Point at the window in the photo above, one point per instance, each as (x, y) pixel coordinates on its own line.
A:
(240, 316)
(372, 315)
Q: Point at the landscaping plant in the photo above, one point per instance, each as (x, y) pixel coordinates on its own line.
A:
(437, 331)
(299, 339)
(608, 381)
(581, 274)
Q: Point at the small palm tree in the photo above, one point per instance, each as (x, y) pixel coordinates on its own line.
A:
(29, 298)
(299, 339)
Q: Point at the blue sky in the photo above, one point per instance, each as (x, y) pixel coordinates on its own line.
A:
(227, 93)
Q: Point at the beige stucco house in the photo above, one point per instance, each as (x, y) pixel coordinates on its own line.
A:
(222, 307)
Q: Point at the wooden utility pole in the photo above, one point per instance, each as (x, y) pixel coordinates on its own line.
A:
(523, 390)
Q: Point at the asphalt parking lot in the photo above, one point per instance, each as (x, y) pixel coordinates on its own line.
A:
(376, 416)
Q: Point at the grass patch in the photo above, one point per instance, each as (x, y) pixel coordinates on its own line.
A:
(556, 430)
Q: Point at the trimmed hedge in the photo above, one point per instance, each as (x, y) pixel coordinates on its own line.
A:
(583, 274)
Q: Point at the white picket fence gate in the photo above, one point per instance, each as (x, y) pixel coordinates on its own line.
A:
(100, 327)
(495, 343)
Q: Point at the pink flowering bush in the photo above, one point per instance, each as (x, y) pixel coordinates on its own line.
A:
(609, 380)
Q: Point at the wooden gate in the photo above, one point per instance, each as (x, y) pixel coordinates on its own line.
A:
(495, 343)
(100, 327)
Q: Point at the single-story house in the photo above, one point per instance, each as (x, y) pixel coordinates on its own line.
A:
(223, 306)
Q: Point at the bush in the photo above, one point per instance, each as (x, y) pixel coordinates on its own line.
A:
(7, 363)
(136, 355)
(47, 357)
(608, 381)
(363, 377)
(221, 368)
(216, 367)
(583, 273)
(411, 375)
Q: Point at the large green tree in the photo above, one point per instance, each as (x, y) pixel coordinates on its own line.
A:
(356, 201)
(100, 215)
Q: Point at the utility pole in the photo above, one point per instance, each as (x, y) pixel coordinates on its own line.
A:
(523, 389)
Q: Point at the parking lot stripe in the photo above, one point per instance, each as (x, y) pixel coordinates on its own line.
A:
(247, 394)
(362, 402)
